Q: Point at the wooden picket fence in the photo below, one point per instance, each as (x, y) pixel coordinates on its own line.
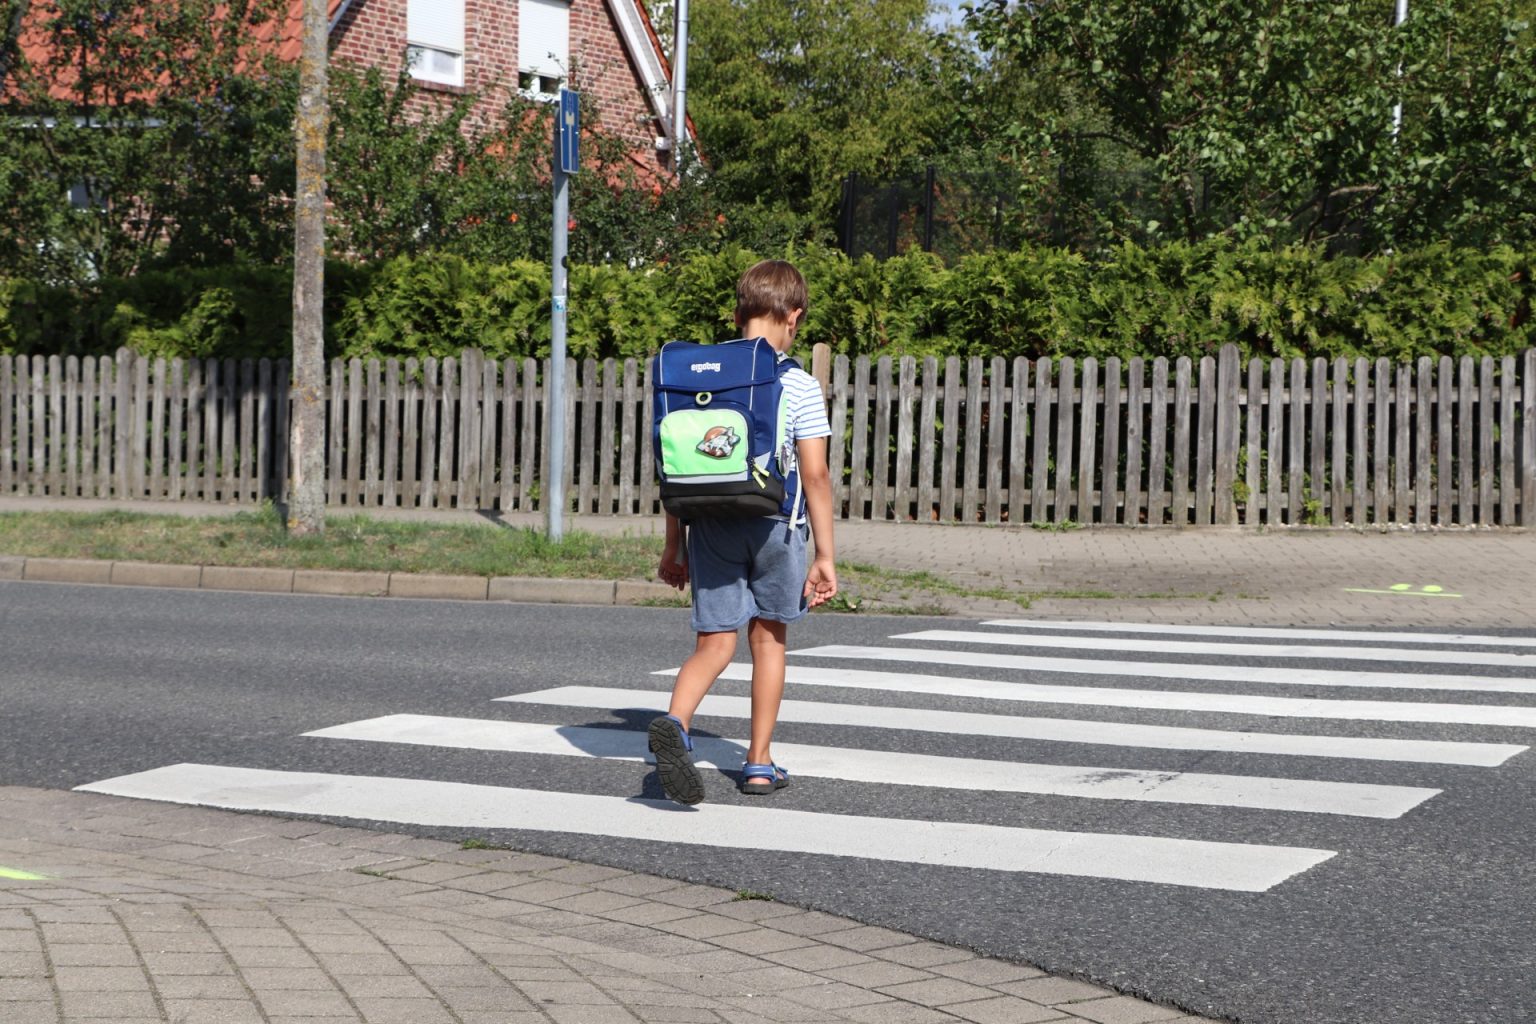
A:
(1148, 442)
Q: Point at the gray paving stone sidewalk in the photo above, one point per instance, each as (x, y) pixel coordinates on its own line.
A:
(1454, 579)
(134, 912)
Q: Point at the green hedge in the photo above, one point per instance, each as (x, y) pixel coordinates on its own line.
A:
(1178, 299)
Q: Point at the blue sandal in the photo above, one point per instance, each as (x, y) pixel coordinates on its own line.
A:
(671, 744)
(777, 778)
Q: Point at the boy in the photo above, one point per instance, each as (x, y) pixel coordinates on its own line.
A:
(751, 572)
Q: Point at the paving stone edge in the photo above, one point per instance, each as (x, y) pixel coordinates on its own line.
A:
(339, 582)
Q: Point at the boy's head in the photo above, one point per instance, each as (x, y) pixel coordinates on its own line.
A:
(770, 290)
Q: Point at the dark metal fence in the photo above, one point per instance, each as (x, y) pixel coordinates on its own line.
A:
(937, 211)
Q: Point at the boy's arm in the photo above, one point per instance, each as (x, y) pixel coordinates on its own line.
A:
(673, 569)
(821, 580)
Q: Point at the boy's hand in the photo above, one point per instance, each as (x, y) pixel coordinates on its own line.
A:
(673, 570)
(821, 582)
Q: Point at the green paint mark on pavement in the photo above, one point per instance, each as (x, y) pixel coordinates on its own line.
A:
(1406, 590)
(19, 876)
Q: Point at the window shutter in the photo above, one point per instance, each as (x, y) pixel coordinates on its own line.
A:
(438, 24)
(544, 37)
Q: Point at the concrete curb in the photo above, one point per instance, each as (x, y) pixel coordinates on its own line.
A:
(66, 570)
(433, 585)
(149, 574)
(340, 584)
(430, 586)
(271, 581)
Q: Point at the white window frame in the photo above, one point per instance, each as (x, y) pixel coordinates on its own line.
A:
(434, 41)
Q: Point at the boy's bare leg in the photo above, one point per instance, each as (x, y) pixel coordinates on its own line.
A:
(766, 638)
(712, 652)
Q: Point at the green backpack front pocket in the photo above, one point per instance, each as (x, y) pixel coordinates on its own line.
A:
(704, 445)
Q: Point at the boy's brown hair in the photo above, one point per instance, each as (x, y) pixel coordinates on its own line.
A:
(771, 288)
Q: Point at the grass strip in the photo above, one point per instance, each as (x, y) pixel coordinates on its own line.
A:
(361, 543)
(259, 539)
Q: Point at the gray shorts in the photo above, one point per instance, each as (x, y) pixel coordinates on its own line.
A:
(745, 569)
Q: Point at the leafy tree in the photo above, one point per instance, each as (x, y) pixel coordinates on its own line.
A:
(791, 95)
(146, 139)
(146, 132)
(1275, 119)
(413, 175)
(1464, 165)
(396, 151)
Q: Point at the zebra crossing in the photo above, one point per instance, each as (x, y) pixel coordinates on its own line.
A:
(1184, 677)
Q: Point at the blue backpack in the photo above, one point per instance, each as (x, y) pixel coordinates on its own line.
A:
(719, 431)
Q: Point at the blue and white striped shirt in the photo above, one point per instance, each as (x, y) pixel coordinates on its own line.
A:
(806, 417)
(807, 409)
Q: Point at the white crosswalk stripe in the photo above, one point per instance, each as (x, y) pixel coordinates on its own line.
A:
(1273, 633)
(1166, 700)
(1174, 670)
(1237, 866)
(1350, 732)
(1289, 652)
(1116, 734)
(879, 766)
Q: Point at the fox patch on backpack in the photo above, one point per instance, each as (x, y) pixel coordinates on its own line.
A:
(719, 431)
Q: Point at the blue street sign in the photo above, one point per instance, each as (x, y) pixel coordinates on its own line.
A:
(570, 132)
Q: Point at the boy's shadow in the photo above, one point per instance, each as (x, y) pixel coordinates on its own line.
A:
(627, 737)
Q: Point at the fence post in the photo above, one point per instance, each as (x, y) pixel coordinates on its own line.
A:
(927, 439)
(858, 482)
(5, 425)
(124, 424)
(1528, 440)
(1340, 437)
(880, 450)
(1038, 512)
(1066, 381)
(1423, 426)
(821, 369)
(1207, 404)
(837, 456)
(55, 424)
(1485, 421)
(1466, 428)
(1507, 441)
(1182, 369)
(281, 376)
(39, 424)
(1087, 443)
(1227, 372)
(906, 399)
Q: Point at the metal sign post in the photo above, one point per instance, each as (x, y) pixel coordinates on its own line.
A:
(566, 163)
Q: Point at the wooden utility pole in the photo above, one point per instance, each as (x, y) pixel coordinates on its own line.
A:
(306, 500)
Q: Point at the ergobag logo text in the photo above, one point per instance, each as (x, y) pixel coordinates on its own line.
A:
(719, 431)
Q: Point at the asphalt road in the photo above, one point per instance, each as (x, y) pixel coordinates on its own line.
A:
(1424, 917)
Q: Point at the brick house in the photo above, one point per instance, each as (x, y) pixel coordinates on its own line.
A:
(608, 49)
